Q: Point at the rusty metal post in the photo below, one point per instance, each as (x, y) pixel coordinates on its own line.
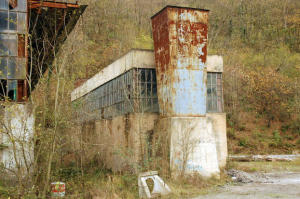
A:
(180, 45)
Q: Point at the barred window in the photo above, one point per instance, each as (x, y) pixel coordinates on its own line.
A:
(13, 68)
(214, 102)
(133, 91)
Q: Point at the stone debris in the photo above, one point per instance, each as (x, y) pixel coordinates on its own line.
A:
(244, 177)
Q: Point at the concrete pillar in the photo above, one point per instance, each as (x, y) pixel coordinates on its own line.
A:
(180, 48)
(19, 122)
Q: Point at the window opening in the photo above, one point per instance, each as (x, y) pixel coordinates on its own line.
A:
(13, 27)
(13, 4)
(12, 86)
(214, 93)
(133, 91)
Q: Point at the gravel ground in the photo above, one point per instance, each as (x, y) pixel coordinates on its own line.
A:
(257, 185)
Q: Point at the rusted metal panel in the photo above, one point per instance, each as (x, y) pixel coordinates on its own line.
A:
(180, 47)
(50, 4)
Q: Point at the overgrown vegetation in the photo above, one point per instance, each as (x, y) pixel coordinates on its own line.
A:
(266, 167)
(260, 43)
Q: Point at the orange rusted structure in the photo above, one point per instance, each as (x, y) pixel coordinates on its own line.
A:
(180, 45)
(51, 4)
(48, 23)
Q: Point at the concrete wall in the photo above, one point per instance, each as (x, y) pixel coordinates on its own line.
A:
(219, 128)
(214, 63)
(119, 143)
(19, 119)
(192, 145)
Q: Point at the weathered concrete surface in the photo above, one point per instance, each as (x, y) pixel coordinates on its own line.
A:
(192, 145)
(17, 121)
(219, 128)
(118, 143)
(214, 63)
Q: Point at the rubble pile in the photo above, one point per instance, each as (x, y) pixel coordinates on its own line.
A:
(244, 177)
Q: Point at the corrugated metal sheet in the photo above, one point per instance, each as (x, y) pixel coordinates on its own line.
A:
(180, 45)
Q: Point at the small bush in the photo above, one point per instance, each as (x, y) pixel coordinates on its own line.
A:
(277, 137)
(244, 142)
(288, 145)
(242, 127)
(289, 137)
(285, 128)
(298, 143)
(295, 127)
(253, 169)
(257, 134)
(231, 133)
(272, 144)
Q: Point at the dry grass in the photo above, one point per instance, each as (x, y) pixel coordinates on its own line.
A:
(191, 186)
(103, 185)
(114, 186)
(267, 167)
(252, 134)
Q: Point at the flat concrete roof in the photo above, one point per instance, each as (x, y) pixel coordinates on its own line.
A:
(135, 58)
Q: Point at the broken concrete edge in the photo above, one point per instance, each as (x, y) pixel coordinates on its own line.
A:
(149, 173)
(160, 187)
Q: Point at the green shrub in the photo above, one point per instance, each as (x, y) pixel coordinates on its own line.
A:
(263, 128)
(289, 137)
(298, 143)
(242, 127)
(277, 137)
(231, 133)
(288, 145)
(285, 128)
(256, 134)
(295, 127)
(243, 142)
(272, 144)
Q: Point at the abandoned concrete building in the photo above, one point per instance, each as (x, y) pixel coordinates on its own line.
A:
(165, 103)
(21, 67)
(161, 107)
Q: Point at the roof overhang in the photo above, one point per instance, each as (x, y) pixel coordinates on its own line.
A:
(50, 23)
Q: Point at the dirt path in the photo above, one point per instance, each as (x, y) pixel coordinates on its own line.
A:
(279, 185)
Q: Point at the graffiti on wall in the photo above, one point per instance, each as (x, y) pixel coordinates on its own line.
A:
(190, 165)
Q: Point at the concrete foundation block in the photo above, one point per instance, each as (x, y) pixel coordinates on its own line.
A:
(192, 145)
